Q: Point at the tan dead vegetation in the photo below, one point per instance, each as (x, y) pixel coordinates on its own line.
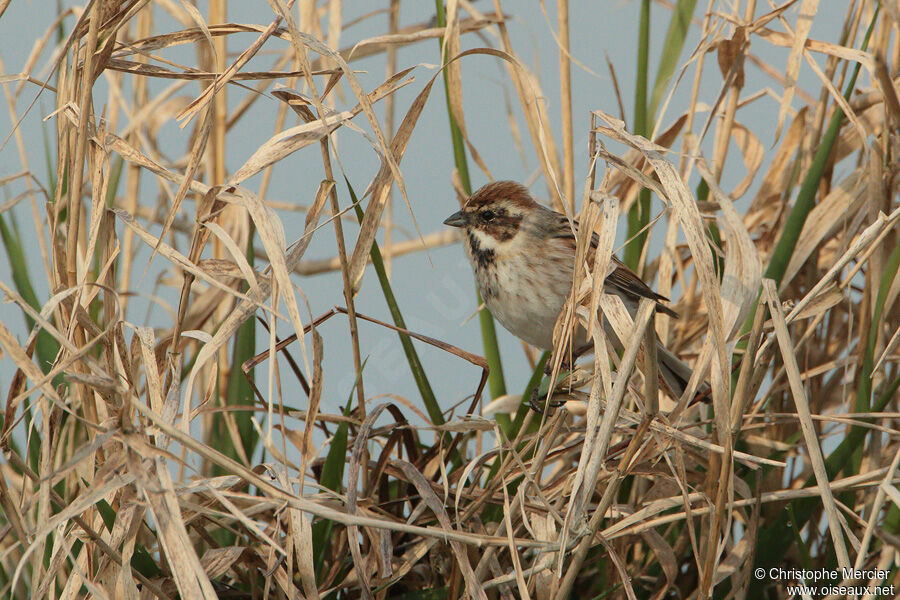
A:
(611, 493)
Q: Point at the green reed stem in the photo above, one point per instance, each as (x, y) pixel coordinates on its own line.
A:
(496, 381)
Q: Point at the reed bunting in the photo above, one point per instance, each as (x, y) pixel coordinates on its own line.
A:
(523, 256)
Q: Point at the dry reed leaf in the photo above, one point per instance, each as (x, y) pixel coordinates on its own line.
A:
(380, 187)
(301, 42)
(108, 481)
(886, 85)
(320, 509)
(354, 461)
(778, 38)
(290, 140)
(704, 445)
(730, 55)
(633, 172)
(145, 70)
(217, 561)
(315, 396)
(838, 98)
(735, 559)
(752, 152)
(450, 48)
(173, 255)
(828, 217)
(636, 526)
(385, 553)
(808, 10)
(513, 551)
(531, 100)
(869, 532)
(465, 424)
(664, 554)
(249, 305)
(335, 23)
(620, 569)
(411, 34)
(545, 529)
(602, 266)
(426, 242)
(776, 178)
(222, 269)
(889, 349)
(26, 365)
(824, 301)
(136, 157)
(197, 152)
(155, 484)
(689, 218)
(630, 192)
(814, 451)
(205, 98)
(128, 520)
(743, 270)
(592, 456)
(23, 356)
(238, 266)
(271, 233)
(362, 49)
(198, 19)
(865, 240)
(473, 586)
(250, 526)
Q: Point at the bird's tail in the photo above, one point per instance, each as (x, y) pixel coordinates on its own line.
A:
(676, 375)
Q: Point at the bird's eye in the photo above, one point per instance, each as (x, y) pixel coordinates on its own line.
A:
(488, 215)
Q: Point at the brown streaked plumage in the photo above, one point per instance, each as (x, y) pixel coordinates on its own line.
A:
(523, 258)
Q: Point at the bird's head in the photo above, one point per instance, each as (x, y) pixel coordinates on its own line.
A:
(494, 214)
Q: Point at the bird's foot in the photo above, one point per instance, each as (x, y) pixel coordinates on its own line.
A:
(563, 367)
(538, 406)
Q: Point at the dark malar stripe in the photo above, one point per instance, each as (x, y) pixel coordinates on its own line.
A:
(483, 257)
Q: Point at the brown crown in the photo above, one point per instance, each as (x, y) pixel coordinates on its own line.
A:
(509, 191)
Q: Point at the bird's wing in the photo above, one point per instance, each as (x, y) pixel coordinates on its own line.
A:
(620, 277)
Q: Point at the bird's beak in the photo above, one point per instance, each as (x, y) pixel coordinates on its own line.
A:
(457, 219)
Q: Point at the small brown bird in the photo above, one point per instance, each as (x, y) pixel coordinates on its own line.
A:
(523, 256)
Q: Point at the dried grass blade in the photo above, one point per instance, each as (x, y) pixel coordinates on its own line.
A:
(809, 430)
(594, 455)
(291, 140)
(197, 154)
(473, 586)
(743, 270)
(315, 508)
(205, 98)
(157, 488)
(809, 189)
(804, 24)
(301, 41)
(380, 188)
(301, 529)
(752, 152)
(828, 217)
(250, 304)
(136, 157)
(689, 218)
(332, 478)
(173, 255)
